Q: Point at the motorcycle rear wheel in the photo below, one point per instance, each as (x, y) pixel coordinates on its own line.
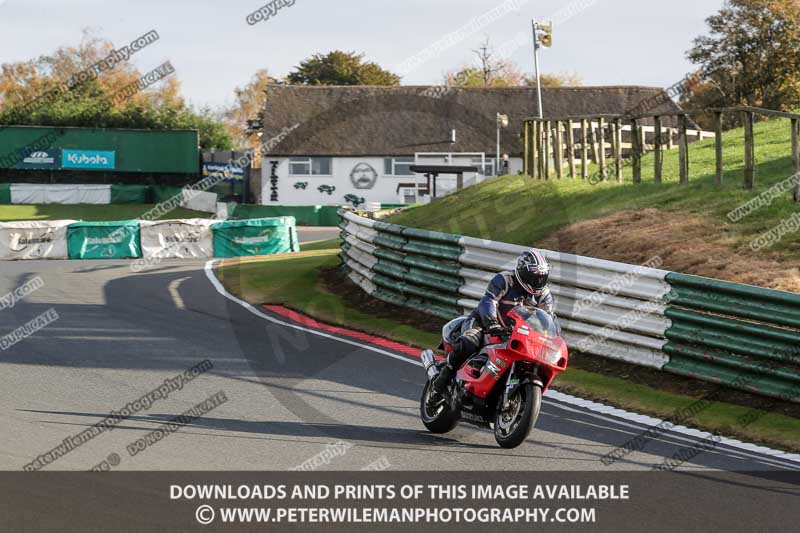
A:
(443, 420)
(511, 429)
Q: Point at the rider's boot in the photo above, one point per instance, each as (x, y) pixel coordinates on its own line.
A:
(464, 348)
(441, 382)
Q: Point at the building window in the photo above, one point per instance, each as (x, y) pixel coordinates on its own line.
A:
(310, 166)
(398, 166)
(486, 166)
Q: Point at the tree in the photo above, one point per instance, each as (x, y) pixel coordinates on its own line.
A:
(558, 79)
(751, 56)
(341, 68)
(30, 95)
(249, 106)
(488, 71)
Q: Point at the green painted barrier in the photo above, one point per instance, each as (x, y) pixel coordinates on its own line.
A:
(722, 330)
(5, 193)
(416, 269)
(744, 301)
(264, 236)
(309, 215)
(736, 335)
(104, 240)
(328, 216)
(734, 378)
(425, 307)
(164, 193)
(130, 194)
(444, 267)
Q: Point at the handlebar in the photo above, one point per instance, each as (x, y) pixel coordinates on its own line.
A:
(505, 333)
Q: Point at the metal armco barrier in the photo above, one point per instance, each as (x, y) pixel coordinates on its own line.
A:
(737, 335)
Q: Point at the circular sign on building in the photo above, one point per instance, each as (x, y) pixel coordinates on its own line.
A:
(363, 176)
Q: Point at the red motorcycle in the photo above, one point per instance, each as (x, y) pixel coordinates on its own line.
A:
(501, 386)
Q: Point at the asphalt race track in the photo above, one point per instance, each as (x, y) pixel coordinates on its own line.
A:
(290, 392)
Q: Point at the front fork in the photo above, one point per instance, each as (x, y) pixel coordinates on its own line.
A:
(515, 381)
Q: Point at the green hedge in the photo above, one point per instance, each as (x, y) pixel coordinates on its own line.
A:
(5, 193)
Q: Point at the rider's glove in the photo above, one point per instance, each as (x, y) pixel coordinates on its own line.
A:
(495, 329)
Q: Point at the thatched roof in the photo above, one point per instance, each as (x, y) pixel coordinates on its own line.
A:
(399, 121)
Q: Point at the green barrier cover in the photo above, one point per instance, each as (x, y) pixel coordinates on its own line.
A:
(329, 216)
(5, 193)
(305, 215)
(163, 193)
(264, 236)
(129, 194)
(104, 240)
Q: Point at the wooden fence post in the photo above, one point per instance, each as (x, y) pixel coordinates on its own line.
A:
(718, 132)
(539, 160)
(548, 155)
(526, 141)
(533, 150)
(796, 158)
(559, 149)
(601, 140)
(658, 154)
(571, 147)
(584, 151)
(643, 144)
(612, 131)
(749, 151)
(636, 151)
(683, 150)
(593, 142)
(618, 149)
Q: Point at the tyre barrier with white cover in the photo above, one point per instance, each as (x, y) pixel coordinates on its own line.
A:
(133, 239)
(71, 194)
(34, 239)
(738, 335)
(177, 239)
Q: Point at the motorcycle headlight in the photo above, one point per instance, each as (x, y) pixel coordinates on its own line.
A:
(551, 353)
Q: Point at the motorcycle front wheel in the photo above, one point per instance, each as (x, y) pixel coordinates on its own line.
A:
(513, 422)
(440, 419)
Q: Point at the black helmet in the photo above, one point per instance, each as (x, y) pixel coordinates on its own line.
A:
(532, 271)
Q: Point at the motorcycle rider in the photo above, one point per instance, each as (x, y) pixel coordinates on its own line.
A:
(525, 285)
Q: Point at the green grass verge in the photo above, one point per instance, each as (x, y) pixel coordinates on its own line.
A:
(293, 281)
(519, 210)
(91, 213)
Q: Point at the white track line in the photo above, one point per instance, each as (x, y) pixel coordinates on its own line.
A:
(173, 291)
(589, 405)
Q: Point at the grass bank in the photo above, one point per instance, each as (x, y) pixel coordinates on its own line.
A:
(88, 212)
(519, 210)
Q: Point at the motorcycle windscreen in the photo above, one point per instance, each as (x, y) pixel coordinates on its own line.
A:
(539, 321)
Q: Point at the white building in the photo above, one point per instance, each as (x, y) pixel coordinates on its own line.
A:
(353, 143)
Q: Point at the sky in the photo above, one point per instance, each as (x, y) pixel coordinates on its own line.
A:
(214, 49)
